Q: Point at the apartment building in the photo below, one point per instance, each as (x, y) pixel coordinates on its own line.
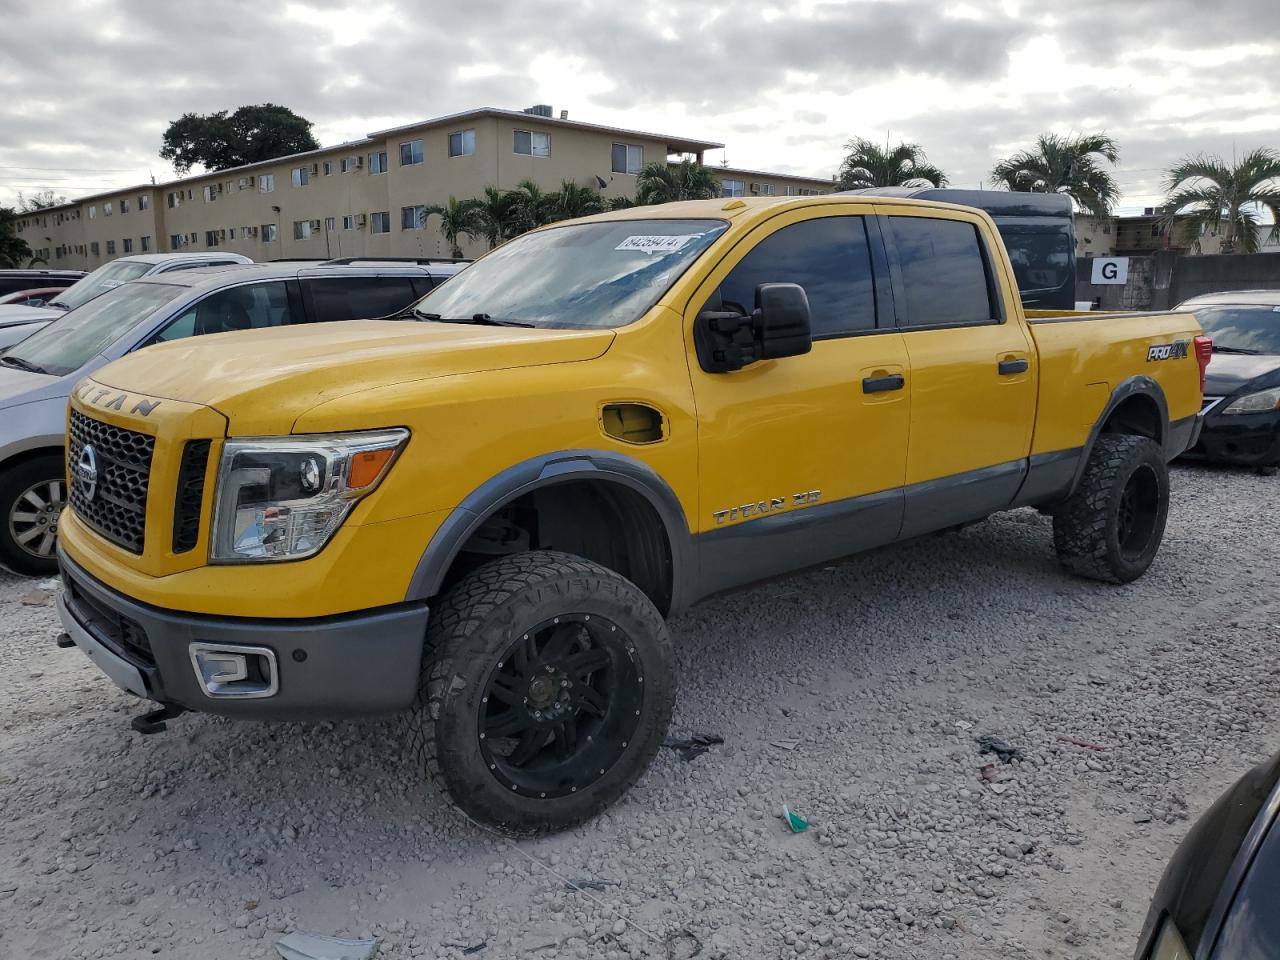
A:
(366, 197)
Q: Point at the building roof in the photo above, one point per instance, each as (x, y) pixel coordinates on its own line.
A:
(743, 171)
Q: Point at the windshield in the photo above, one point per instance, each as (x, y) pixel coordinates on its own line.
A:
(106, 277)
(1253, 328)
(581, 275)
(73, 340)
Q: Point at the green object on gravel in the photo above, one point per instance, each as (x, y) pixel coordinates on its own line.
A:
(797, 823)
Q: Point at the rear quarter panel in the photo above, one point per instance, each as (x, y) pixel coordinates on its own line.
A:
(1085, 357)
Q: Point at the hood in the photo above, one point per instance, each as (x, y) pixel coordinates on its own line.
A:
(23, 386)
(11, 315)
(263, 380)
(1229, 372)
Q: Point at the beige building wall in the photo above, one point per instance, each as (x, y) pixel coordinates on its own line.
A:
(760, 183)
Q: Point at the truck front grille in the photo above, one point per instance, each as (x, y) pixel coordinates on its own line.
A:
(116, 505)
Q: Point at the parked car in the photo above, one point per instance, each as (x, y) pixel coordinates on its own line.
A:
(1242, 384)
(485, 516)
(1217, 898)
(18, 323)
(38, 374)
(11, 281)
(33, 297)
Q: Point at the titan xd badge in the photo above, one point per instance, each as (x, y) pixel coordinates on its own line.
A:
(761, 507)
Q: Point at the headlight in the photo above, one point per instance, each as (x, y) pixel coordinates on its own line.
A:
(1169, 944)
(283, 498)
(1263, 401)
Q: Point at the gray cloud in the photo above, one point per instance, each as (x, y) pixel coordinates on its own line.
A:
(86, 111)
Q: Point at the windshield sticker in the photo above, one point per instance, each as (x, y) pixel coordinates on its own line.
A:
(657, 244)
(110, 284)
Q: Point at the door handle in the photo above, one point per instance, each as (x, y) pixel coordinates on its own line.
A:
(1006, 367)
(894, 381)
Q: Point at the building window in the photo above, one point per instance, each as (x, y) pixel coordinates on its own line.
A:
(378, 162)
(410, 153)
(231, 233)
(328, 168)
(93, 212)
(532, 144)
(302, 229)
(1106, 229)
(145, 244)
(349, 222)
(732, 188)
(462, 143)
(1155, 229)
(628, 158)
(267, 182)
(381, 222)
(124, 207)
(412, 218)
(301, 176)
(94, 248)
(764, 189)
(111, 248)
(176, 241)
(329, 224)
(126, 245)
(268, 232)
(211, 238)
(344, 164)
(191, 237)
(106, 209)
(210, 193)
(144, 202)
(173, 199)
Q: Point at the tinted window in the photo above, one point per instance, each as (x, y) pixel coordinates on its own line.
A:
(828, 257)
(14, 284)
(106, 277)
(353, 298)
(944, 275)
(250, 307)
(1255, 329)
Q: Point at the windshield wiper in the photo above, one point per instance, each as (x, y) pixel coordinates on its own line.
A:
(21, 364)
(1218, 349)
(480, 319)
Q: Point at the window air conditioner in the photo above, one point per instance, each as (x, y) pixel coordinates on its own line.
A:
(315, 169)
(361, 219)
(315, 224)
(359, 162)
(753, 187)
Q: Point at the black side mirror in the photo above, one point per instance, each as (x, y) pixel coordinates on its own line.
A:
(778, 327)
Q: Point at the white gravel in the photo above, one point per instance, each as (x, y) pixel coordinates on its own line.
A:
(853, 693)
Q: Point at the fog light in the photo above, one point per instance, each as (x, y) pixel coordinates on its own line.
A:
(231, 670)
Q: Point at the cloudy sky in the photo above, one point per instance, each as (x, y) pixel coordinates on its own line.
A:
(87, 87)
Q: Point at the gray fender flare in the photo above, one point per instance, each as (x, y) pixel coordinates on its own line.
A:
(1139, 385)
(543, 471)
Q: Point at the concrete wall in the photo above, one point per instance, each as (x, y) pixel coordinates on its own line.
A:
(1164, 280)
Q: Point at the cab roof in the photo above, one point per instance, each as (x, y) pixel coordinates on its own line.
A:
(731, 208)
(1265, 298)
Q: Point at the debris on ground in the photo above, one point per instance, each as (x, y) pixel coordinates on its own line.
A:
(314, 946)
(1001, 748)
(475, 948)
(694, 746)
(786, 743)
(1087, 744)
(797, 823)
(987, 772)
(597, 885)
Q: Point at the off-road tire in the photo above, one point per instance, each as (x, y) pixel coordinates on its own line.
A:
(469, 630)
(1087, 527)
(14, 482)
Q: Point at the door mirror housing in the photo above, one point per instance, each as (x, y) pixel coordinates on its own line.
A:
(778, 327)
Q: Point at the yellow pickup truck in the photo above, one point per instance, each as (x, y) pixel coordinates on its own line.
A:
(481, 514)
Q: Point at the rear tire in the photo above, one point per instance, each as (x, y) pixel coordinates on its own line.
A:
(1111, 526)
(32, 495)
(546, 690)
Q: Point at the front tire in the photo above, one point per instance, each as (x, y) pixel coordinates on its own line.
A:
(1111, 526)
(32, 496)
(547, 688)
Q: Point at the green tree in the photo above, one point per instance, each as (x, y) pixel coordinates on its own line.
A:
(1205, 193)
(530, 207)
(14, 250)
(40, 200)
(619, 203)
(458, 218)
(867, 164)
(1070, 165)
(495, 215)
(220, 140)
(662, 182)
(572, 201)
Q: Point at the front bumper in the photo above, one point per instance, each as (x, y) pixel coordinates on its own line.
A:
(332, 666)
(1251, 439)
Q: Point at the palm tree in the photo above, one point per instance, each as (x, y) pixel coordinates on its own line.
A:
(619, 203)
(495, 215)
(1070, 165)
(687, 180)
(458, 218)
(869, 165)
(530, 207)
(1225, 197)
(14, 251)
(573, 201)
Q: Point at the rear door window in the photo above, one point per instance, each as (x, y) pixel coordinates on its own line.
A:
(355, 298)
(945, 279)
(829, 257)
(249, 307)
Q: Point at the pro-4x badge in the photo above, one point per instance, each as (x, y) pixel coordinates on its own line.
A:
(1168, 351)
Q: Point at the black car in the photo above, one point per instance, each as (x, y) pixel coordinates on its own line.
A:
(1242, 385)
(1218, 896)
(11, 281)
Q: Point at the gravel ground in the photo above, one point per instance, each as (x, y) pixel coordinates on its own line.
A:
(853, 693)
